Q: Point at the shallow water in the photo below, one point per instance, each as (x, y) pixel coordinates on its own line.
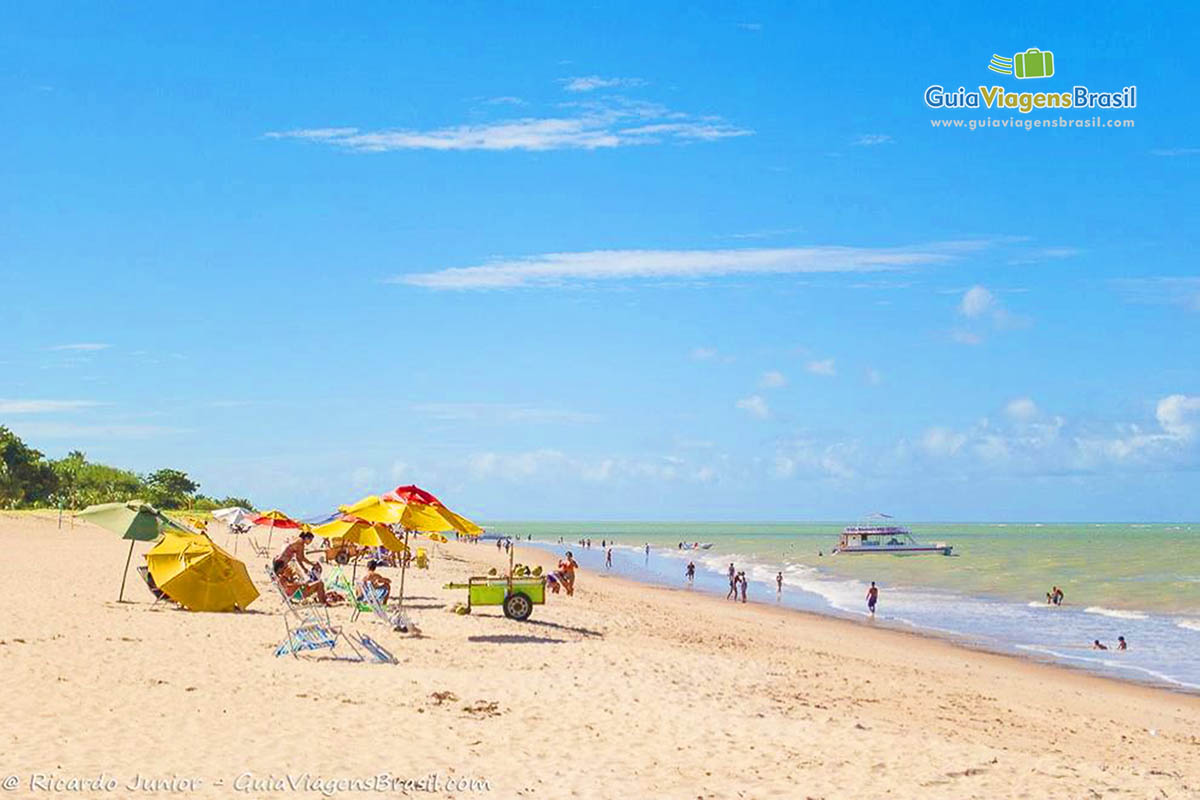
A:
(1139, 581)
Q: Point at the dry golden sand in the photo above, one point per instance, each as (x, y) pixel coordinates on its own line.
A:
(623, 690)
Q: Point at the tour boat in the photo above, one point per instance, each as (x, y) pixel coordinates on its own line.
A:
(885, 537)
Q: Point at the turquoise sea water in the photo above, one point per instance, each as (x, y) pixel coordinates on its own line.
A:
(1139, 581)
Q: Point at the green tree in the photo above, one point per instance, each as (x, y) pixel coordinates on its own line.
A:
(232, 502)
(170, 488)
(26, 478)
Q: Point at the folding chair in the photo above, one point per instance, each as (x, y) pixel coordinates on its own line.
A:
(260, 550)
(370, 598)
(309, 628)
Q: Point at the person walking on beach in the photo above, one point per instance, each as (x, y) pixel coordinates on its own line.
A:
(691, 571)
(608, 558)
(733, 584)
(744, 582)
(872, 598)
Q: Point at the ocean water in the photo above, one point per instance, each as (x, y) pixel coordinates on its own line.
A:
(1137, 581)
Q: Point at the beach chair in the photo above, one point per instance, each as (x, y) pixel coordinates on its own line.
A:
(310, 629)
(369, 599)
(260, 550)
(159, 594)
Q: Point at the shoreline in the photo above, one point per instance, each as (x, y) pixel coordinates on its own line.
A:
(948, 639)
(977, 622)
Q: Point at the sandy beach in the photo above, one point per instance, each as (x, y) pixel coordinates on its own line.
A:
(623, 689)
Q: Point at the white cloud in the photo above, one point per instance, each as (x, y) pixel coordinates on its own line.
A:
(825, 367)
(43, 406)
(82, 347)
(871, 139)
(1179, 415)
(750, 26)
(1021, 409)
(942, 441)
(589, 83)
(1174, 152)
(608, 124)
(506, 100)
(773, 379)
(755, 406)
(976, 302)
(558, 269)
(704, 353)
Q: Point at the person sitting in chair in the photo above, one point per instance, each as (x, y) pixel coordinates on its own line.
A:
(382, 586)
(296, 588)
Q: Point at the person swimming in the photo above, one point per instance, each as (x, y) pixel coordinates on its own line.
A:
(1121, 645)
(1097, 645)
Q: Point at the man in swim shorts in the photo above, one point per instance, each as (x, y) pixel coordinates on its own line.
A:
(872, 598)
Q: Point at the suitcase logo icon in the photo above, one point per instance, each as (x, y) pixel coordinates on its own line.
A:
(1033, 63)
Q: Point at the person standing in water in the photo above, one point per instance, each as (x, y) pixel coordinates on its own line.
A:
(691, 571)
(779, 583)
(742, 577)
(733, 584)
(608, 558)
(872, 598)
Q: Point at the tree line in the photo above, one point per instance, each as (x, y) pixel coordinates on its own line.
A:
(30, 480)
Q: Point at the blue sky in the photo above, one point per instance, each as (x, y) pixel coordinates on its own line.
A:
(688, 262)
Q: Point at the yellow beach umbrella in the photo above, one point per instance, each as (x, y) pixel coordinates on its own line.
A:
(424, 505)
(194, 572)
(410, 516)
(364, 534)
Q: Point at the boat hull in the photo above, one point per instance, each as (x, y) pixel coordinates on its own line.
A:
(943, 550)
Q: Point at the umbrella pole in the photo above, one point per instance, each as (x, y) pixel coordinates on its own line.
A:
(403, 569)
(125, 574)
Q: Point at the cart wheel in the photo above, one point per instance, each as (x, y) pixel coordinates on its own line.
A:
(518, 606)
(342, 557)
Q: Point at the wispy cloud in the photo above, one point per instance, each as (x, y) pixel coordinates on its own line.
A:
(825, 367)
(505, 100)
(590, 83)
(1176, 291)
(1175, 152)
(561, 269)
(43, 406)
(1041, 254)
(609, 124)
(872, 139)
(76, 432)
(82, 347)
(755, 405)
(773, 379)
(750, 26)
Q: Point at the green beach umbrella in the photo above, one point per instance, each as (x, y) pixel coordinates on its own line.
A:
(134, 520)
